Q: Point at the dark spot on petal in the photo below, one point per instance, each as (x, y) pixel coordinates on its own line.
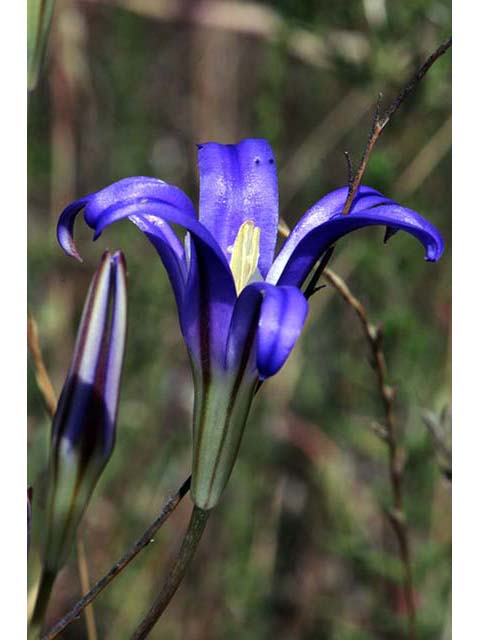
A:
(257, 160)
(199, 146)
(270, 161)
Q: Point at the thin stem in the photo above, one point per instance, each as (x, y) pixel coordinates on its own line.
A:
(190, 543)
(389, 434)
(380, 122)
(41, 603)
(85, 584)
(349, 169)
(120, 565)
(378, 125)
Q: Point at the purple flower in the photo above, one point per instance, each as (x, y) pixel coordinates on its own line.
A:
(83, 429)
(241, 310)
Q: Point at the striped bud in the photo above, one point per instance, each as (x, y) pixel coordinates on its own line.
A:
(83, 430)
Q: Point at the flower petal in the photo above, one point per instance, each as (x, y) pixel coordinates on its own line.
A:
(282, 316)
(277, 315)
(324, 224)
(158, 232)
(151, 204)
(66, 225)
(238, 182)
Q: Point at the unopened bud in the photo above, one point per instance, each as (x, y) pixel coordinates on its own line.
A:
(83, 430)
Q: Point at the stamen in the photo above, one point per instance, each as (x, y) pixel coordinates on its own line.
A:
(245, 254)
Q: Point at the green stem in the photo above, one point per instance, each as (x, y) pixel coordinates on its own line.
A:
(43, 597)
(196, 526)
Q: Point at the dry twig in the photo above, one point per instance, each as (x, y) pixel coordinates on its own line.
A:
(142, 542)
(381, 121)
(396, 515)
(48, 394)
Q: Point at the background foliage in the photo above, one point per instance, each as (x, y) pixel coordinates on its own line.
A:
(300, 546)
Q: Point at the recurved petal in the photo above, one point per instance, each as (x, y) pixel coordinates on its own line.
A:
(97, 203)
(238, 182)
(273, 318)
(109, 200)
(65, 227)
(159, 232)
(204, 288)
(324, 224)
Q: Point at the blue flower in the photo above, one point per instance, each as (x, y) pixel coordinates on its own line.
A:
(83, 429)
(241, 309)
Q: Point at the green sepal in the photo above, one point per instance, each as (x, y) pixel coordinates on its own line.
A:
(220, 414)
(70, 486)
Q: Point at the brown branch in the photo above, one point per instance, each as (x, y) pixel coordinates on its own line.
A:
(319, 142)
(349, 168)
(396, 515)
(142, 542)
(43, 379)
(380, 122)
(378, 125)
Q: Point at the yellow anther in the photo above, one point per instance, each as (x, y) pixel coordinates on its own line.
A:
(245, 254)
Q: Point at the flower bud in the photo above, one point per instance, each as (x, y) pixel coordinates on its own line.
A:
(83, 430)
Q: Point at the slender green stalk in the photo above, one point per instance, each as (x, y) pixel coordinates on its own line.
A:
(41, 603)
(190, 543)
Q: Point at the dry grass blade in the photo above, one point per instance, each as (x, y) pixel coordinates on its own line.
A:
(380, 121)
(41, 375)
(305, 160)
(85, 584)
(426, 160)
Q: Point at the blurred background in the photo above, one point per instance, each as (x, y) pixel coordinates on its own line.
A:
(300, 547)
